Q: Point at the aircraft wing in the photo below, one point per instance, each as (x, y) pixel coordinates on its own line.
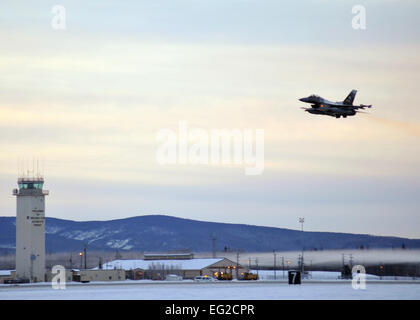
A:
(362, 106)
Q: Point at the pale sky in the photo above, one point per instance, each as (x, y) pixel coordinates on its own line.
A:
(90, 99)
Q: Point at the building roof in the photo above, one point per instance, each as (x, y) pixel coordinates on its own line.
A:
(192, 264)
(168, 256)
(6, 272)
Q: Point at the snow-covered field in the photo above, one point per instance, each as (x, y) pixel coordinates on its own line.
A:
(320, 275)
(257, 290)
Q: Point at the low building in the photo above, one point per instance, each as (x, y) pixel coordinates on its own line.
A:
(187, 269)
(169, 256)
(102, 275)
(90, 275)
(68, 274)
(6, 275)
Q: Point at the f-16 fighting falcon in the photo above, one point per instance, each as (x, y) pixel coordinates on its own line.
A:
(338, 109)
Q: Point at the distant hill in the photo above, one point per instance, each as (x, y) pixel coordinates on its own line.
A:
(166, 233)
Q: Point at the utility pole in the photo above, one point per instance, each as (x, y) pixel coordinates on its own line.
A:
(301, 221)
(274, 253)
(71, 261)
(300, 261)
(85, 252)
(282, 265)
(237, 264)
(288, 264)
(81, 260)
(256, 263)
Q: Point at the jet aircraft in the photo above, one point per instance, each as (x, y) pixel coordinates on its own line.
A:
(337, 109)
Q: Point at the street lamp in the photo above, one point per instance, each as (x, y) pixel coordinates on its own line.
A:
(85, 253)
(274, 252)
(256, 263)
(282, 265)
(237, 265)
(301, 221)
(81, 259)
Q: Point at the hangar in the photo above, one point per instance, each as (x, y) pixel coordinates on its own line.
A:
(186, 268)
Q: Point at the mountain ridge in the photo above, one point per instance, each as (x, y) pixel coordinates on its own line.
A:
(168, 233)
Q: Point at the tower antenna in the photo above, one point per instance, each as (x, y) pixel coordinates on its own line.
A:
(43, 166)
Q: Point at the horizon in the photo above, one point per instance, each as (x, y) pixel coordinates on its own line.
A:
(230, 223)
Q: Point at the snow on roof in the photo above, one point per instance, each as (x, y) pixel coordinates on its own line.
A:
(6, 272)
(193, 264)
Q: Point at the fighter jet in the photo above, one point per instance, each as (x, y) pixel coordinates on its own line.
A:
(337, 109)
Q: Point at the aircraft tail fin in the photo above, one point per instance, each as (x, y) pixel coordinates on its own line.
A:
(350, 98)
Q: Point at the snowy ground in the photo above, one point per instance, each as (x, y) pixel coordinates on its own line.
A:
(256, 290)
(320, 275)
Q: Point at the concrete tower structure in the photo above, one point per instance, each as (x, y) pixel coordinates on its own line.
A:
(30, 229)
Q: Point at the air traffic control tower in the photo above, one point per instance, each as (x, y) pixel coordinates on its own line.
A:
(30, 229)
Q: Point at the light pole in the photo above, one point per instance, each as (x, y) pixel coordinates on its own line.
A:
(85, 252)
(282, 265)
(274, 253)
(301, 221)
(71, 262)
(237, 264)
(81, 260)
(288, 265)
(256, 263)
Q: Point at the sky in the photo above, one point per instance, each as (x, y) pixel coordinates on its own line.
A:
(89, 100)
